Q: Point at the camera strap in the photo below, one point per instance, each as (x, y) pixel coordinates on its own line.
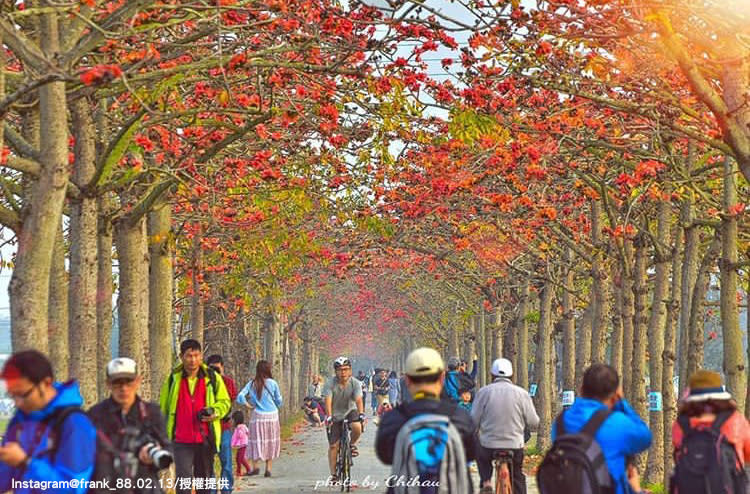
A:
(107, 442)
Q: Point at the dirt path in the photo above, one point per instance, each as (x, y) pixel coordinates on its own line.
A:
(303, 467)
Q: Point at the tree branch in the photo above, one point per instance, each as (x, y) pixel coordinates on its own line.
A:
(22, 47)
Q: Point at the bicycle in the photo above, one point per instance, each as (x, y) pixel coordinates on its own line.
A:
(503, 466)
(344, 456)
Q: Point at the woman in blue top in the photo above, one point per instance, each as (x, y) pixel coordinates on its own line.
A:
(263, 397)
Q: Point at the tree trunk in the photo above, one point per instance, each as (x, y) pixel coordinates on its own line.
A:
(453, 341)
(58, 334)
(197, 309)
(628, 310)
(481, 350)
(734, 356)
(599, 290)
(498, 335)
(583, 344)
(132, 300)
(160, 295)
(568, 328)
(542, 368)
(656, 334)
(735, 81)
(470, 339)
(697, 316)
(29, 284)
(104, 294)
(617, 325)
(510, 342)
(637, 391)
(306, 366)
(83, 257)
(670, 343)
(689, 275)
(294, 384)
(522, 335)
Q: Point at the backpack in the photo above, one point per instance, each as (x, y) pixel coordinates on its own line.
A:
(575, 463)
(429, 446)
(706, 462)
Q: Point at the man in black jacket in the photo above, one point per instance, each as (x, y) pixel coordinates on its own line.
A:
(425, 372)
(132, 443)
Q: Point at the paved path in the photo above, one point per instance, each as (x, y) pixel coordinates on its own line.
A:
(303, 467)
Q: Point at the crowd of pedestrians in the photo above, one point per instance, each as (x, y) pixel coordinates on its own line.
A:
(595, 440)
(434, 423)
(122, 443)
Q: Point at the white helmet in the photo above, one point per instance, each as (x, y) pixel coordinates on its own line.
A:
(342, 362)
(502, 368)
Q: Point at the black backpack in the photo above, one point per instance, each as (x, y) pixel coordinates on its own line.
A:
(706, 462)
(575, 463)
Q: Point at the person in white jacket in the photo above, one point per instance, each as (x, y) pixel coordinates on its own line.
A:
(503, 411)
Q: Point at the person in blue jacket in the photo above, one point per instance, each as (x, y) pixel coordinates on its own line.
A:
(622, 434)
(456, 379)
(49, 438)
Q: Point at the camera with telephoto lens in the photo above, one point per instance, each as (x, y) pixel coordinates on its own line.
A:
(205, 412)
(160, 456)
(126, 462)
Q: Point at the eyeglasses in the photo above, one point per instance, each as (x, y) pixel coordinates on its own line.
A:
(21, 396)
(122, 382)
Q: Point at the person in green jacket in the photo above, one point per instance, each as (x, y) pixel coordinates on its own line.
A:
(194, 399)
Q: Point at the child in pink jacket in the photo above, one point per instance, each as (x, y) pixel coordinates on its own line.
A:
(240, 438)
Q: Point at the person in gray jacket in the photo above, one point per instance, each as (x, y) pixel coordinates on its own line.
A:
(503, 411)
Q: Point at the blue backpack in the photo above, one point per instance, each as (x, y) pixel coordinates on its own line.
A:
(429, 447)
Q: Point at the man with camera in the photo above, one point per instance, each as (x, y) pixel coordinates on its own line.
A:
(132, 444)
(194, 399)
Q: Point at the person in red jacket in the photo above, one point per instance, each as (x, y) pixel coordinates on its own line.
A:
(225, 451)
(705, 402)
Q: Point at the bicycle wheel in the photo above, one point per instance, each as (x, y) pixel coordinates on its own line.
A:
(343, 453)
(504, 479)
(498, 485)
(348, 469)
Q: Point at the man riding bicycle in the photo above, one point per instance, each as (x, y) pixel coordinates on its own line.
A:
(343, 400)
(503, 411)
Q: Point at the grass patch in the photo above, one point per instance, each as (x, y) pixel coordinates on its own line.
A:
(655, 488)
(291, 425)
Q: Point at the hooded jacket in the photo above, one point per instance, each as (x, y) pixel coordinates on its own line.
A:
(75, 451)
(218, 399)
(622, 434)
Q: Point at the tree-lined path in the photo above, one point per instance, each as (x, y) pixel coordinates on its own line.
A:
(558, 182)
(303, 465)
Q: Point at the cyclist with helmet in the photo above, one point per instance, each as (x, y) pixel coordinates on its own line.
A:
(503, 411)
(343, 400)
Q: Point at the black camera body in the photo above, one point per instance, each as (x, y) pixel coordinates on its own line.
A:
(133, 440)
(205, 412)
